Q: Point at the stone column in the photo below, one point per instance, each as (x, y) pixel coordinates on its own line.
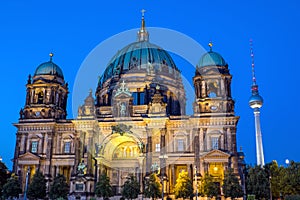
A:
(140, 171)
(162, 151)
(228, 134)
(149, 151)
(204, 139)
(201, 140)
(172, 177)
(196, 147)
(90, 149)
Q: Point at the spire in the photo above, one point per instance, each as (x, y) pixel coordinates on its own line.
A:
(51, 55)
(254, 87)
(142, 33)
(252, 63)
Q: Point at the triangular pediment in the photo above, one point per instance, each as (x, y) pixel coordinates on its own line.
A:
(29, 156)
(123, 95)
(123, 90)
(216, 155)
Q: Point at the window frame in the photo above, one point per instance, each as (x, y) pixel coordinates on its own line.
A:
(65, 145)
(32, 146)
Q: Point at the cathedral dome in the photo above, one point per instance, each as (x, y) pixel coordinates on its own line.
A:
(136, 71)
(49, 68)
(212, 59)
(137, 55)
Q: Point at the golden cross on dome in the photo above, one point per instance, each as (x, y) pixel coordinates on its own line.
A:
(51, 55)
(210, 44)
(143, 12)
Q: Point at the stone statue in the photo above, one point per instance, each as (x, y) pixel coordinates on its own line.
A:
(21, 114)
(29, 79)
(81, 168)
(122, 109)
(150, 69)
(141, 147)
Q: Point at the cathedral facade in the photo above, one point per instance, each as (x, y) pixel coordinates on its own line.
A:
(135, 123)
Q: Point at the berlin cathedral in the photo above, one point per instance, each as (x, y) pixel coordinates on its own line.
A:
(133, 124)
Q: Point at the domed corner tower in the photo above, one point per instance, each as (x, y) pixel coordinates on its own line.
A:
(212, 82)
(132, 78)
(47, 93)
(214, 109)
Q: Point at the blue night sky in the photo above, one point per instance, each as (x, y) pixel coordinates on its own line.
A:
(30, 30)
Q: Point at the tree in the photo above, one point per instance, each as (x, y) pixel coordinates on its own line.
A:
(37, 187)
(131, 188)
(208, 187)
(257, 182)
(231, 186)
(12, 188)
(290, 184)
(184, 186)
(59, 188)
(103, 187)
(152, 187)
(276, 174)
(4, 175)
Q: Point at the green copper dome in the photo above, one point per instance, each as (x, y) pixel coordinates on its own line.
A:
(211, 58)
(138, 56)
(49, 68)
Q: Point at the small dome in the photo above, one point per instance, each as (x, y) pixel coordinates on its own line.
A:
(49, 68)
(211, 59)
(255, 101)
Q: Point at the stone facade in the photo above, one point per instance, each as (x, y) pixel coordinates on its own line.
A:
(136, 124)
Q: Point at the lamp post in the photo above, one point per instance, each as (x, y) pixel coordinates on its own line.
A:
(26, 183)
(270, 187)
(196, 181)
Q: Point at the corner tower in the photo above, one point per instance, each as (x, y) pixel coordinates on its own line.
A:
(47, 93)
(214, 117)
(212, 84)
(256, 102)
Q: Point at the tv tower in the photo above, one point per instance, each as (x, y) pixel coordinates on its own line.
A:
(256, 102)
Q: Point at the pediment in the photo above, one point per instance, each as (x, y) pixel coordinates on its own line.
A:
(216, 156)
(123, 90)
(29, 156)
(123, 95)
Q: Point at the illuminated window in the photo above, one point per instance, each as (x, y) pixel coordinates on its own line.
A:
(157, 147)
(34, 146)
(180, 145)
(67, 147)
(215, 143)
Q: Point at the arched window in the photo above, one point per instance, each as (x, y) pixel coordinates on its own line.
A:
(40, 99)
(212, 95)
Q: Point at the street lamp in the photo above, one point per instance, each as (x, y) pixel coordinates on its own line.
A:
(287, 162)
(26, 183)
(196, 181)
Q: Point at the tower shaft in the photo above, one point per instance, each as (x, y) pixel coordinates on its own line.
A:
(259, 147)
